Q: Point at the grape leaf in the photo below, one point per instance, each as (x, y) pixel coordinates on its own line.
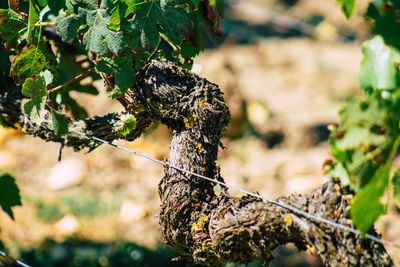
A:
(100, 40)
(378, 68)
(34, 16)
(358, 120)
(32, 61)
(12, 26)
(125, 77)
(48, 77)
(151, 15)
(366, 206)
(9, 193)
(129, 124)
(34, 87)
(67, 26)
(59, 122)
(106, 65)
(115, 19)
(347, 7)
(56, 5)
(364, 138)
(35, 109)
(123, 71)
(384, 15)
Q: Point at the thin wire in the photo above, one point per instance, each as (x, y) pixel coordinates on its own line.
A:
(296, 210)
(2, 253)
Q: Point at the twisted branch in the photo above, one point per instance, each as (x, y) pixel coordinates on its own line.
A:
(203, 225)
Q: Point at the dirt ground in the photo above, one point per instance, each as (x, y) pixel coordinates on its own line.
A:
(282, 92)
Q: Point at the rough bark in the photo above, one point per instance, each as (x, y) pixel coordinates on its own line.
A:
(210, 227)
(103, 127)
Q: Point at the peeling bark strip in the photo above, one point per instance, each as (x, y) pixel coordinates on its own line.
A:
(206, 227)
(209, 228)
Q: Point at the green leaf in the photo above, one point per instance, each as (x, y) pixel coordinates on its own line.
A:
(100, 40)
(35, 87)
(364, 138)
(35, 109)
(366, 207)
(173, 22)
(115, 93)
(336, 170)
(106, 65)
(356, 137)
(115, 19)
(9, 194)
(378, 68)
(129, 124)
(48, 77)
(125, 77)
(123, 71)
(12, 27)
(67, 26)
(396, 187)
(56, 5)
(32, 61)
(59, 122)
(34, 16)
(347, 7)
(384, 15)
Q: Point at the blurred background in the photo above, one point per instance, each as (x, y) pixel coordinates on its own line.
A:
(285, 67)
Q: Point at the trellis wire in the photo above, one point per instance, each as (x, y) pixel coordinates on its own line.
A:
(291, 208)
(2, 253)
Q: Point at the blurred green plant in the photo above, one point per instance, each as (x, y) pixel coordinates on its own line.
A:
(81, 204)
(368, 135)
(74, 253)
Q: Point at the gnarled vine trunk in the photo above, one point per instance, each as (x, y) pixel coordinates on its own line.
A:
(202, 225)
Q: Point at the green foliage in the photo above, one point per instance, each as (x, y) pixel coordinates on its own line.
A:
(396, 186)
(67, 26)
(384, 15)
(129, 124)
(32, 61)
(13, 27)
(347, 7)
(368, 136)
(35, 89)
(367, 207)
(81, 204)
(379, 68)
(9, 194)
(60, 124)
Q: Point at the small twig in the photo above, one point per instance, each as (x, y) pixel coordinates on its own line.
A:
(71, 81)
(46, 24)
